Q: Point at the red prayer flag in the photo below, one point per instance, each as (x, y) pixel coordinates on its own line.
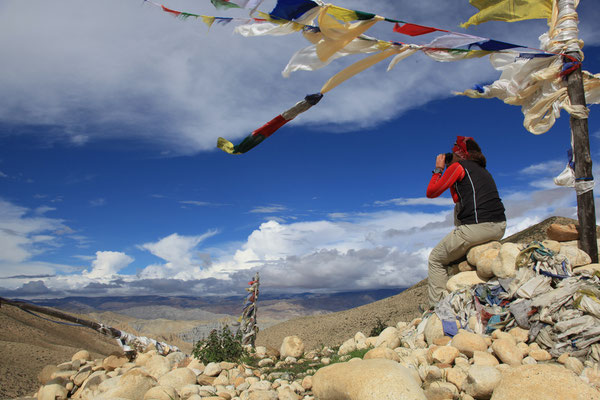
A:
(176, 13)
(414, 30)
(270, 127)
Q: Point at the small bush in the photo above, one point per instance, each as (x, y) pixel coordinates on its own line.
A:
(378, 328)
(220, 346)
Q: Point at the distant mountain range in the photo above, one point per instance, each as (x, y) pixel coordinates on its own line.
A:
(137, 306)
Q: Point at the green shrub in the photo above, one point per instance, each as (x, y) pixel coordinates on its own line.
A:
(378, 328)
(220, 346)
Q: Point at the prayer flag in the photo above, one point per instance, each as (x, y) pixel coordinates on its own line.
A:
(175, 13)
(494, 45)
(291, 9)
(256, 137)
(208, 20)
(413, 30)
(509, 10)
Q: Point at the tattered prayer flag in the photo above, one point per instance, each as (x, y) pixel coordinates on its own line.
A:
(222, 20)
(414, 30)
(256, 137)
(175, 13)
(509, 10)
(292, 9)
(223, 4)
(208, 20)
(494, 45)
(346, 15)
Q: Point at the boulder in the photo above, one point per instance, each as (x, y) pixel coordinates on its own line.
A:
(508, 256)
(382, 352)
(177, 378)
(483, 358)
(83, 355)
(573, 364)
(562, 233)
(113, 362)
(212, 369)
(468, 343)
(456, 376)
(374, 379)
(433, 329)
(551, 245)
(52, 392)
(132, 385)
(577, 257)
(507, 352)
(441, 391)
(463, 279)
(46, 373)
(589, 269)
(389, 338)
(443, 354)
(161, 393)
(157, 366)
(292, 346)
(520, 334)
(543, 381)
(481, 381)
(347, 347)
(484, 257)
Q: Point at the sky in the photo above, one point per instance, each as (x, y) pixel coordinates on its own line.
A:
(111, 183)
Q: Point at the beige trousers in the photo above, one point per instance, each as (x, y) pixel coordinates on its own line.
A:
(454, 246)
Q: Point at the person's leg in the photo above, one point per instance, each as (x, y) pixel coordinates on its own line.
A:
(452, 247)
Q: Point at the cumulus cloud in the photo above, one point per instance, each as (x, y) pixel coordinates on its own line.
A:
(107, 264)
(419, 201)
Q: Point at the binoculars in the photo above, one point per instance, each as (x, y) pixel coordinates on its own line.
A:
(448, 158)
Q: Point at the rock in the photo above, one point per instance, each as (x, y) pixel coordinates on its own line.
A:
(577, 257)
(524, 348)
(507, 352)
(161, 393)
(287, 394)
(433, 329)
(443, 354)
(456, 376)
(292, 346)
(307, 382)
(592, 376)
(265, 362)
(212, 369)
(389, 338)
(157, 366)
(589, 269)
(53, 392)
(540, 355)
(573, 364)
(82, 375)
(374, 379)
(520, 334)
(290, 360)
(481, 381)
(113, 362)
(261, 395)
(347, 347)
(484, 257)
(464, 266)
(382, 352)
(498, 334)
(483, 358)
(508, 255)
(131, 385)
(46, 373)
(551, 245)
(562, 233)
(443, 341)
(196, 365)
(95, 379)
(441, 391)
(178, 377)
(463, 279)
(528, 361)
(468, 343)
(261, 351)
(542, 381)
(83, 355)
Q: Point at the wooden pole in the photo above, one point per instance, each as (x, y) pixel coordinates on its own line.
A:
(586, 209)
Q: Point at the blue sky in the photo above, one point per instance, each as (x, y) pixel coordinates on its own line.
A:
(111, 183)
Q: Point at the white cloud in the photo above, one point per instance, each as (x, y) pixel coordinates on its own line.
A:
(195, 203)
(418, 201)
(553, 167)
(183, 259)
(107, 264)
(3, 175)
(98, 202)
(274, 208)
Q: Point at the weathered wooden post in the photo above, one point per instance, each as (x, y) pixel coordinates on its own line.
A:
(586, 211)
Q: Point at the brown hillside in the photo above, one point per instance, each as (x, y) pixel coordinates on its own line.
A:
(29, 343)
(333, 329)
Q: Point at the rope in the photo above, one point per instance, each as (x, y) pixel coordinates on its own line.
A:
(51, 320)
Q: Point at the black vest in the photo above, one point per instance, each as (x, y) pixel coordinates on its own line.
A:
(478, 195)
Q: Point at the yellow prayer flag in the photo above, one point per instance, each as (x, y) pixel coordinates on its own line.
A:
(208, 20)
(343, 14)
(509, 10)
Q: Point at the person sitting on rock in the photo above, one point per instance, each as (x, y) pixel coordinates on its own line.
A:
(479, 213)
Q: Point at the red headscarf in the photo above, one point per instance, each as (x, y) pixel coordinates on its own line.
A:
(460, 147)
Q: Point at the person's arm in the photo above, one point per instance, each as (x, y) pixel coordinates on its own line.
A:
(440, 182)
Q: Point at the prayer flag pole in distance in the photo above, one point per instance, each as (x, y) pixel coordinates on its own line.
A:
(586, 211)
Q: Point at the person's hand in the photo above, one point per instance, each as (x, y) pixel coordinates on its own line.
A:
(440, 161)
